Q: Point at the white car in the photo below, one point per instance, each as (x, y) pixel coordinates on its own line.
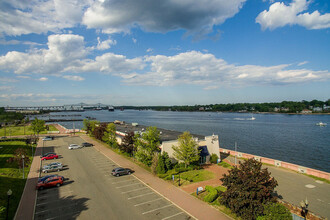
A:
(47, 138)
(74, 146)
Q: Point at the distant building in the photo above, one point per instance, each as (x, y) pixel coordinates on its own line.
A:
(317, 109)
(306, 111)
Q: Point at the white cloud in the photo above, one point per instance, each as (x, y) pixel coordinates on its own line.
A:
(73, 78)
(104, 45)
(6, 88)
(149, 50)
(280, 15)
(43, 79)
(197, 17)
(206, 70)
(38, 16)
(67, 53)
(134, 40)
(7, 80)
(302, 63)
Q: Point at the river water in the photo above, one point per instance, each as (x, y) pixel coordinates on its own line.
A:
(291, 138)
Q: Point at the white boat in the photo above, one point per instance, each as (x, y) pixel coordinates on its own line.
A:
(253, 118)
(321, 124)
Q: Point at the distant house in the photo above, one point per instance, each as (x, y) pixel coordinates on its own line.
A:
(306, 111)
(207, 146)
(317, 109)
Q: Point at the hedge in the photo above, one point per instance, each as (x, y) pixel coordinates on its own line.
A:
(212, 194)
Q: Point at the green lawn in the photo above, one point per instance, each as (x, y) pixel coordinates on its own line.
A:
(11, 177)
(19, 130)
(188, 177)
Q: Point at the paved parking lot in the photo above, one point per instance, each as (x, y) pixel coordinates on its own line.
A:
(91, 192)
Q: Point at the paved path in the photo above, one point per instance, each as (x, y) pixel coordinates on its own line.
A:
(188, 203)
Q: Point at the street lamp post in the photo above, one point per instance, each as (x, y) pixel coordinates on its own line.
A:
(304, 208)
(8, 197)
(23, 165)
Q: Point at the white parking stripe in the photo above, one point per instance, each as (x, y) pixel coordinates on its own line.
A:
(141, 195)
(118, 187)
(157, 209)
(134, 190)
(172, 216)
(122, 181)
(147, 202)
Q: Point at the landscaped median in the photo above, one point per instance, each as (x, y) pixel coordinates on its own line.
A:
(11, 174)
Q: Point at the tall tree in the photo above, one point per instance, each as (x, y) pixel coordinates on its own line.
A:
(187, 150)
(147, 145)
(249, 188)
(37, 125)
(127, 144)
(110, 135)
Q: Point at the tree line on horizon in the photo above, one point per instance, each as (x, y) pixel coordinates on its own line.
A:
(281, 107)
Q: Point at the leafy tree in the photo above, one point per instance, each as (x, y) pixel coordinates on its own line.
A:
(248, 188)
(147, 145)
(160, 169)
(37, 125)
(275, 211)
(18, 158)
(167, 161)
(127, 144)
(110, 135)
(154, 164)
(187, 150)
(99, 130)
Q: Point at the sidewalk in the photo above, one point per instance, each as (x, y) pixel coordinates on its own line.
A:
(191, 205)
(26, 206)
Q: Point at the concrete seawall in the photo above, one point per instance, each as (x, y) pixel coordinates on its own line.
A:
(278, 163)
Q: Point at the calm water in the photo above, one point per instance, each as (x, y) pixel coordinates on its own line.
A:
(291, 138)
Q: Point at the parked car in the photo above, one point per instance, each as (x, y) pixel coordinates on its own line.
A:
(119, 171)
(74, 146)
(48, 138)
(53, 164)
(50, 182)
(41, 179)
(50, 156)
(46, 154)
(52, 168)
(86, 144)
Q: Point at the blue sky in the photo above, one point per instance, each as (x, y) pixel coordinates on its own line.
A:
(163, 52)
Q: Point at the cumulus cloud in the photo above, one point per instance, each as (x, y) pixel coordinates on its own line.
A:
(104, 45)
(66, 53)
(206, 70)
(280, 15)
(39, 16)
(302, 63)
(197, 17)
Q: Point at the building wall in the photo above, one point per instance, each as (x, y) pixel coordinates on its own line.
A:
(212, 143)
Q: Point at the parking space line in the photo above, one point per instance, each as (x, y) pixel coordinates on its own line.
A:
(47, 196)
(58, 207)
(118, 187)
(140, 195)
(147, 202)
(122, 181)
(72, 213)
(157, 209)
(134, 190)
(172, 216)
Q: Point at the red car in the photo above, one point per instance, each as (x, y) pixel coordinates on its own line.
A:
(50, 182)
(50, 156)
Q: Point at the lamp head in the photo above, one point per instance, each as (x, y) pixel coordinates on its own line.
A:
(9, 192)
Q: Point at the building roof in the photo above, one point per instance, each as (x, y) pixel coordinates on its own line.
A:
(166, 135)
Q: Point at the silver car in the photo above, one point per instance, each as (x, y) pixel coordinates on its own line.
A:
(52, 168)
(53, 164)
(74, 146)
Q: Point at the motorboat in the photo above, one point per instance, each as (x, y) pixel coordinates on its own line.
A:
(321, 124)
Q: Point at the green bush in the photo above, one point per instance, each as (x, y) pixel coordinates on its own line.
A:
(212, 194)
(275, 211)
(214, 158)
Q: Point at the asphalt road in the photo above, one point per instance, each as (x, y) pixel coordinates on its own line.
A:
(91, 192)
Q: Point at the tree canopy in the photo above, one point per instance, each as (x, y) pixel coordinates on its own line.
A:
(248, 188)
(38, 125)
(110, 135)
(147, 144)
(187, 149)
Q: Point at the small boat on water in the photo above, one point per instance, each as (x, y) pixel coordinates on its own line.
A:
(111, 108)
(253, 118)
(321, 124)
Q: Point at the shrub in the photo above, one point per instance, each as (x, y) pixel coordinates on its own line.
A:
(214, 158)
(212, 194)
(275, 211)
